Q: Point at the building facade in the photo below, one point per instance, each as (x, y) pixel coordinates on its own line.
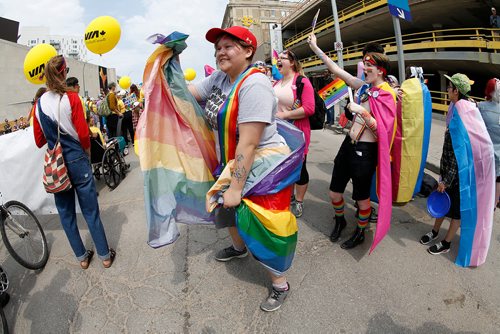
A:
(263, 18)
(68, 46)
(444, 37)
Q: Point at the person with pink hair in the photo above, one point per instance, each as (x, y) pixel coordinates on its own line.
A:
(490, 110)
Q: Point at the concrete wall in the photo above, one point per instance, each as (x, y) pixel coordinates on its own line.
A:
(17, 92)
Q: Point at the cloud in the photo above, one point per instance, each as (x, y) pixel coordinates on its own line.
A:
(165, 17)
(63, 17)
(138, 20)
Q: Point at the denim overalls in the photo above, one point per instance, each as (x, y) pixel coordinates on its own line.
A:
(82, 179)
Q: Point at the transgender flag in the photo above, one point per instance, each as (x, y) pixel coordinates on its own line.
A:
(176, 147)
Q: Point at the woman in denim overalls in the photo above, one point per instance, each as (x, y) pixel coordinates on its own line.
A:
(55, 105)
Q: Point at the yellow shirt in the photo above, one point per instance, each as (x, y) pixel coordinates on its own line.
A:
(141, 97)
(121, 106)
(83, 106)
(94, 130)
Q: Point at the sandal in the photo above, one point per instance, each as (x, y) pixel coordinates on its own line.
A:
(86, 262)
(112, 255)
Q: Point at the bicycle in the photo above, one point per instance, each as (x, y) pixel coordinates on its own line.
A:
(23, 235)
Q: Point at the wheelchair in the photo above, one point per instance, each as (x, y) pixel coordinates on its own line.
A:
(108, 161)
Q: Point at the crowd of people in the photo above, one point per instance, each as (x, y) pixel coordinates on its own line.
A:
(243, 92)
(366, 147)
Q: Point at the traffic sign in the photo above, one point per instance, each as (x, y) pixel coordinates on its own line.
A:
(400, 9)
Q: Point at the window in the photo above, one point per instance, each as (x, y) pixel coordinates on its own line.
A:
(273, 13)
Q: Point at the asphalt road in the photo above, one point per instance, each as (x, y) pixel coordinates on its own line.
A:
(180, 288)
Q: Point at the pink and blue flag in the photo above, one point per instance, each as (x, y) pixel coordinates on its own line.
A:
(476, 172)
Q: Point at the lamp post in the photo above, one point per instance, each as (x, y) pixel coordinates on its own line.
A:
(338, 39)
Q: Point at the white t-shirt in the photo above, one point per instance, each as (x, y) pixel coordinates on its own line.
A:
(257, 103)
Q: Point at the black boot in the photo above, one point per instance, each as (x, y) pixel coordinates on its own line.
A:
(340, 224)
(357, 238)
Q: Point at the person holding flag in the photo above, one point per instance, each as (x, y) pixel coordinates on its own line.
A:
(366, 148)
(241, 108)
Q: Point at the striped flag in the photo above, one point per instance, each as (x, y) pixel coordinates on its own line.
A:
(333, 92)
(176, 147)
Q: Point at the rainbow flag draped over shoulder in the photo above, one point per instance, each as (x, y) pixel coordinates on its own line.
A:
(382, 100)
(176, 147)
(411, 144)
(264, 219)
(476, 172)
(227, 118)
(333, 92)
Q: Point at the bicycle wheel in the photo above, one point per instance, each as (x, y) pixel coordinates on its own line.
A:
(23, 236)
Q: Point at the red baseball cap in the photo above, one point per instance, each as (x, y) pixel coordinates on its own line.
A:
(236, 31)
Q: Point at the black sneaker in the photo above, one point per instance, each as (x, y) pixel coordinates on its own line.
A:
(426, 238)
(373, 216)
(275, 300)
(439, 248)
(230, 253)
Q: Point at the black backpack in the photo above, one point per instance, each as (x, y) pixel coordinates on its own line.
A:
(317, 120)
(429, 184)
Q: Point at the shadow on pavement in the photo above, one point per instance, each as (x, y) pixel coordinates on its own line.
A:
(383, 323)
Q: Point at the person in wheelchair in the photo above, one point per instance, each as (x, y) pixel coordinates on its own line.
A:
(106, 157)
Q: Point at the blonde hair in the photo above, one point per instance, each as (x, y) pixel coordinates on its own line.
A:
(55, 72)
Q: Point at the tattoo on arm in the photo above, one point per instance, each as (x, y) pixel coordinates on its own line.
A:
(240, 172)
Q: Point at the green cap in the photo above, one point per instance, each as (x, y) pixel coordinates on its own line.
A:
(461, 81)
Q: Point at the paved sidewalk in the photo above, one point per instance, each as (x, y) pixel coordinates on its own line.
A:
(180, 288)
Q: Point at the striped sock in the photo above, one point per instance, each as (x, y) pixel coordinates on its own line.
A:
(338, 207)
(363, 217)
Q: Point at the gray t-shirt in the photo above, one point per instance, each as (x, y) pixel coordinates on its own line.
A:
(257, 103)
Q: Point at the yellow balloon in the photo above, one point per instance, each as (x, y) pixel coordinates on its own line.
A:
(125, 82)
(189, 74)
(35, 61)
(102, 34)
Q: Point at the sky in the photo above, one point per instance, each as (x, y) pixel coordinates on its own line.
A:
(138, 19)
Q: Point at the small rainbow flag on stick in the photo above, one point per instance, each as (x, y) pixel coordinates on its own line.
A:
(333, 92)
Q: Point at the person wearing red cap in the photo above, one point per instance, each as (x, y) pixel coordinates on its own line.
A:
(238, 88)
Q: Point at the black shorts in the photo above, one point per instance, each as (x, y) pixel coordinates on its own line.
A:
(454, 193)
(357, 162)
(224, 217)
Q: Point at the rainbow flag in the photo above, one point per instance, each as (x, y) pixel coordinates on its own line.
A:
(264, 219)
(176, 147)
(333, 92)
(476, 173)
(227, 118)
(274, 70)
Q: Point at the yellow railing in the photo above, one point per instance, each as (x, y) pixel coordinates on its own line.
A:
(477, 39)
(345, 14)
(440, 100)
